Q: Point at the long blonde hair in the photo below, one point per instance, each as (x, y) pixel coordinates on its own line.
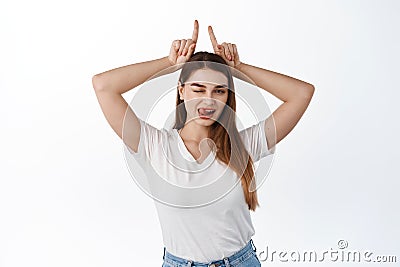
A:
(230, 147)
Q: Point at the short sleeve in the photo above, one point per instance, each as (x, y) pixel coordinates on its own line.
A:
(149, 138)
(255, 141)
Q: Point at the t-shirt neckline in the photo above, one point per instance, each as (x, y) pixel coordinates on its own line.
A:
(186, 151)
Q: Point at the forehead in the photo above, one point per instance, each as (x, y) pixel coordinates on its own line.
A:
(208, 76)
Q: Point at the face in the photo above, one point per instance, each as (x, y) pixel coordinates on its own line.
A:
(205, 94)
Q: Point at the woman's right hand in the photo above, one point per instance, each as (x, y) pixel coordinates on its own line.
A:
(182, 50)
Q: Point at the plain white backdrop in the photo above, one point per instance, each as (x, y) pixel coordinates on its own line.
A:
(66, 195)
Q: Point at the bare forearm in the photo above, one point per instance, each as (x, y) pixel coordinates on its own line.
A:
(282, 86)
(123, 79)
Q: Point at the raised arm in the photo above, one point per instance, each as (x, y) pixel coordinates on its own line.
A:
(295, 93)
(110, 85)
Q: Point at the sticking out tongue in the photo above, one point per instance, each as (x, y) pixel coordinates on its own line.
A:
(205, 112)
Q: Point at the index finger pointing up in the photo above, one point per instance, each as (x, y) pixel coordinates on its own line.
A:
(212, 38)
(195, 31)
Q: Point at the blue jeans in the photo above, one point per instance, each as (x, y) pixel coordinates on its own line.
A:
(246, 257)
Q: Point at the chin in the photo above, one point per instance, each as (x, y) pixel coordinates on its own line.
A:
(208, 122)
(203, 121)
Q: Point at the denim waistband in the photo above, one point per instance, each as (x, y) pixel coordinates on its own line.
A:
(223, 262)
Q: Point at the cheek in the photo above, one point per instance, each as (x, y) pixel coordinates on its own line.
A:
(222, 101)
(190, 96)
(191, 104)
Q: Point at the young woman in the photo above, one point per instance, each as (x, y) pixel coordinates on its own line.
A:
(213, 228)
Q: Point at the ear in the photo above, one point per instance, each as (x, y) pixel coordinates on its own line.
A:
(180, 90)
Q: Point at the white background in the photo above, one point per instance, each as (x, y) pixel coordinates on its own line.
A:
(66, 195)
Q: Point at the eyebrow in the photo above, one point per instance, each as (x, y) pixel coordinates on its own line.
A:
(203, 86)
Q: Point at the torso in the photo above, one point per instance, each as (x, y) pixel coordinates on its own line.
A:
(200, 201)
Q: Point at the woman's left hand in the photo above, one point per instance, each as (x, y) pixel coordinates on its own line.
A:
(227, 51)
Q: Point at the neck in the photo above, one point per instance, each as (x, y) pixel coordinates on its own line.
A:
(194, 132)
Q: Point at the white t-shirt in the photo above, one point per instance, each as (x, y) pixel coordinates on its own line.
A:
(201, 206)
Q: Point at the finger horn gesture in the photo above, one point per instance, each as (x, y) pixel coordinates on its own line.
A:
(182, 50)
(227, 51)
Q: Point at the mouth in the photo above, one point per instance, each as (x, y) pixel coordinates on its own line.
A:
(205, 113)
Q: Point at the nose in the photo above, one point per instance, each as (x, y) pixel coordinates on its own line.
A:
(209, 100)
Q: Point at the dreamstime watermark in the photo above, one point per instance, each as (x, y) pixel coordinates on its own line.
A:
(341, 254)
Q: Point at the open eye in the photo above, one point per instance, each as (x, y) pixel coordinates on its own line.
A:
(220, 91)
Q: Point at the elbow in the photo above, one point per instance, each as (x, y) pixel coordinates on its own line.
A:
(304, 93)
(308, 91)
(98, 82)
